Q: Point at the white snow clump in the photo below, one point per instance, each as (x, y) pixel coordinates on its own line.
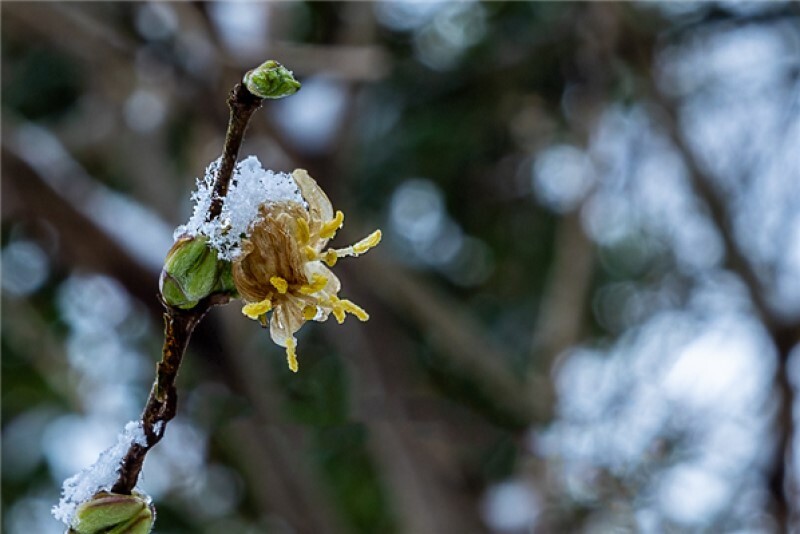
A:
(250, 187)
(100, 476)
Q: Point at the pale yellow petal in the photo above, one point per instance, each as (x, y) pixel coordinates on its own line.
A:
(333, 285)
(287, 318)
(278, 327)
(319, 206)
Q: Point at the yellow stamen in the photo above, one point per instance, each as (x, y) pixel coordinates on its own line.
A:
(309, 312)
(318, 283)
(368, 242)
(291, 355)
(328, 229)
(354, 309)
(255, 309)
(337, 308)
(311, 254)
(338, 313)
(330, 257)
(303, 231)
(279, 283)
(359, 248)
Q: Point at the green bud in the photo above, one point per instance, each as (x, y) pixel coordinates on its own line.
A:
(271, 80)
(225, 283)
(190, 273)
(141, 524)
(112, 513)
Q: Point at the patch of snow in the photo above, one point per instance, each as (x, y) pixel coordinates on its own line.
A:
(251, 186)
(99, 476)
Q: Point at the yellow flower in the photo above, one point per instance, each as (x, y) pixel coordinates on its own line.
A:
(283, 266)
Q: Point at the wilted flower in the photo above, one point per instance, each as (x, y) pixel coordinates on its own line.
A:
(283, 265)
(274, 228)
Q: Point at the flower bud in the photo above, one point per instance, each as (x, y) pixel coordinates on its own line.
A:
(225, 283)
(191, 272)
(271, 80)
(110, 513)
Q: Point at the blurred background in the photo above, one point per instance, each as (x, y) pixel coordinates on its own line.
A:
(584, 310)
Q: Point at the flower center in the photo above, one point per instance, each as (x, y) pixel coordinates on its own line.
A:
(271, 263)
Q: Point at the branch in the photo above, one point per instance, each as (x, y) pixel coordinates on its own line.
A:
(704, 188)
(179, 324)
(560, 319)
(163, 400)
(456, 336)
(784, 334)
(242, 104)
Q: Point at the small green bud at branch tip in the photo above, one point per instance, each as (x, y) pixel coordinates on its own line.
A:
(271, 80)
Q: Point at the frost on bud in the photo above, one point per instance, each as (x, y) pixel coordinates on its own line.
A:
(192, 272)
(271, 80)
(110, 513)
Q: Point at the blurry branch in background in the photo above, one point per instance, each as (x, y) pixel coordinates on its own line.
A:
(82, 244)
(414, 436)
(280, 477)
(560, 315)
(455, 334)
(353, 63)
(559, 325)
(784, 333)
(717, 204)
(27, 328)
(74, 30)
(719, 15)
(26, 196)
(422, 482)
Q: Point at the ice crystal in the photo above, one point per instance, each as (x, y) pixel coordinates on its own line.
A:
(251, 187)
(99, 476)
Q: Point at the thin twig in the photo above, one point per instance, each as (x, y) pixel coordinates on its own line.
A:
(162, 403)
(179, 324)
(243, 104)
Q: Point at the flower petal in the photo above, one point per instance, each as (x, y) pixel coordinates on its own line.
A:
(287, 318)
(320, 210)
(333, 285)
(319, 206)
